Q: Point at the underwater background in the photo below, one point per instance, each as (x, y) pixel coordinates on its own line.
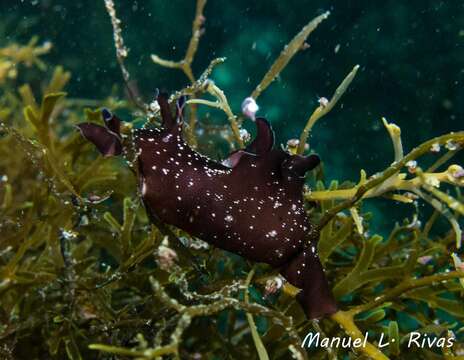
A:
(101, 254)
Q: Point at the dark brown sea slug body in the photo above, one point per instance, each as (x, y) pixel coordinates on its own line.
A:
(250, 204)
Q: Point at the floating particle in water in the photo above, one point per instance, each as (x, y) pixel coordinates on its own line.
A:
(135, 6)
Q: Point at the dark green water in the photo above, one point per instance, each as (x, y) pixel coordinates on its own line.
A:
(411, 56)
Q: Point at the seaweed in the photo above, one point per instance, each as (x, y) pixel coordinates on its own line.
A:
(84, 274)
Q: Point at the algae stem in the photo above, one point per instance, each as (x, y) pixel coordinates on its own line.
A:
(395, 134)
(386, 174)
(346, 321)
(260, 348)
(287, 54)
(224, 105)
(439, 206)
(186, 63)
(196, 32)
(146, 354)
(405, 286)
(323, 109)
(443, 159)
(121, 53)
